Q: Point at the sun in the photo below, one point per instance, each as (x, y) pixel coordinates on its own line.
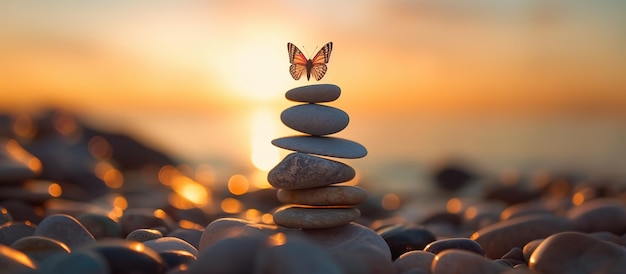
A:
(257, 69)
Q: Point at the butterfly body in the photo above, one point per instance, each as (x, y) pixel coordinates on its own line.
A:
(315, 66)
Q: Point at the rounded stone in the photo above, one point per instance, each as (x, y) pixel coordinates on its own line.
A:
(128, 256)
(454, 243)
(144, 234)
(170, 244)
(314, 218)
(13, 231)
(66, 229)
(77, 262)
(599, 215)
(100, 226)
(416, 261)
(301, 170)
(499, 238)
(575, 252)
(5, 216)
(175, 258)
(15, 261)
(190, 235)
(402, 239)
(529, 248)
(229, 253)
(352, 236)
(323, 196)
(137, 218)
(38, 248)
(454, 261)
(326, 146)
(295, 255)
(220, 229)
(315, 119)
(314, 93)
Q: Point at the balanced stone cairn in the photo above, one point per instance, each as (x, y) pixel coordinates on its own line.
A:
(303, 180)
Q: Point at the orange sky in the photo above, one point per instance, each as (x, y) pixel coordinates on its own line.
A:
(390, 56)
(503, 82)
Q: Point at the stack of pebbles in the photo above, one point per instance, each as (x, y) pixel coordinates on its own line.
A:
(304, 181)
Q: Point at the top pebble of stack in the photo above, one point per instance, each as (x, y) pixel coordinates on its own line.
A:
(314, 93)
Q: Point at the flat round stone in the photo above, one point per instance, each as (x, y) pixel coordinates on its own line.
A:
(323, 196)
(315, 119)
(314, 218)
(301, 170)
(314, 93)
(326, 146)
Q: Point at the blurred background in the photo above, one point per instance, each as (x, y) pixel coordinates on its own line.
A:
(497, 85)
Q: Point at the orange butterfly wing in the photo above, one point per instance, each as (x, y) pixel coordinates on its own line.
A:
(297, 60)
(315, 66)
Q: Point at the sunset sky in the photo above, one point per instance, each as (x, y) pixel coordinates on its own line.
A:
(127, 60)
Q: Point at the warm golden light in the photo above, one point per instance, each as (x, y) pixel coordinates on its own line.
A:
(189, 224)
(55, 190)
(578, 199)
(471, 212)
(159, 213)
(17, 257)
(184, 187)
(253, 215)
(116, 213)
(23, 126)
(232, 206)
(120, 202)
(113, 178)
(264, 155)
(238, 184)
(205, 175)
(267, 218)
(18, 153)
(390, 201)
(277, 239)
(454, 206)
(99, 148)
(259, 180)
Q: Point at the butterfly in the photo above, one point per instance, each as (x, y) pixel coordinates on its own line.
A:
(315, 66)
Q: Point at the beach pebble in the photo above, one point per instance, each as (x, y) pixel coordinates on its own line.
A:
(301, 170)
(326, 146)
(15, 261)
(599, 215)
(39, 248)
(16, 164)
(295, 255)
(416, 261)
(529, 248)
(314, 93)
(575, 252)
(221, 229)
(524, 209)
(404, 238)
(5, 216)
(499, 238)
(175, 258)
(352, 236)
(137, 218)
(323, 196)
(77, 262)
(315, 119)
(364, 259)
(454, 243)
(314, 218)
(514, 257)
(170, 243)
(127, 256)
(229, 253)
(144, 234)
(100, 226)
(190, 235)
(455, 261)
(66, 229)
(13, 231)
(21, 211)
